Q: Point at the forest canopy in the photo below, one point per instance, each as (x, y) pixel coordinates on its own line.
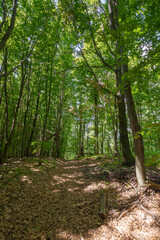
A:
(80, 78)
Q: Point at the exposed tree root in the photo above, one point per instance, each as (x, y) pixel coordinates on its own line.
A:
(151, 214)
(124, 213)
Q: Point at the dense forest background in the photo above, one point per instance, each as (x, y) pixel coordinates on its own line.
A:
(80, 78)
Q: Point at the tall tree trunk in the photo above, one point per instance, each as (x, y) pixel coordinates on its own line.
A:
(121, 70)
(127, 154)
(136, 131)
(124, 139)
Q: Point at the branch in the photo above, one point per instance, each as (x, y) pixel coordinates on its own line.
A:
(104, 12)
(20, 63)
(11, 26)
(4, 15)
(105, 38)
(13, 69)
(95, 45)
(99, 85)
(69, 68)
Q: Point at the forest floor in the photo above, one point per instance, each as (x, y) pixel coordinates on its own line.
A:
(61, 201)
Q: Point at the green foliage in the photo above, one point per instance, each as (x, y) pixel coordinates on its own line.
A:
(61, 42)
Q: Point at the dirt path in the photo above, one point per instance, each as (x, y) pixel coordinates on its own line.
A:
(63, 202)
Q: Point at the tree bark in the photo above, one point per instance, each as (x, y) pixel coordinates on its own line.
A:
(136, 132)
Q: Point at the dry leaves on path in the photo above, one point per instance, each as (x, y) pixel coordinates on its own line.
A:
(62, 201)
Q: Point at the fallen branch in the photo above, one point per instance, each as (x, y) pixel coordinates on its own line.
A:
(149, 184)
(103, 205)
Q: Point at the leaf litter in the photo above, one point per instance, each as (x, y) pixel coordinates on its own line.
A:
(62, 201)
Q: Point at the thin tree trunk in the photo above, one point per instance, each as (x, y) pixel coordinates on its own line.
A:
(48, 101)
(24, 138)
(96, 132)
(6, 96)
(102, 138)
(114, 125)
(34, 123)
(10, 137)
(56, 142)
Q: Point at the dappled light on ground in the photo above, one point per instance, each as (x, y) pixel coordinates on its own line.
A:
(26, 179)
(66, 235)
(93, 187)
(62, 202)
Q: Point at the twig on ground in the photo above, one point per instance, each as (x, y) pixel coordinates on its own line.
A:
(140, 204)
